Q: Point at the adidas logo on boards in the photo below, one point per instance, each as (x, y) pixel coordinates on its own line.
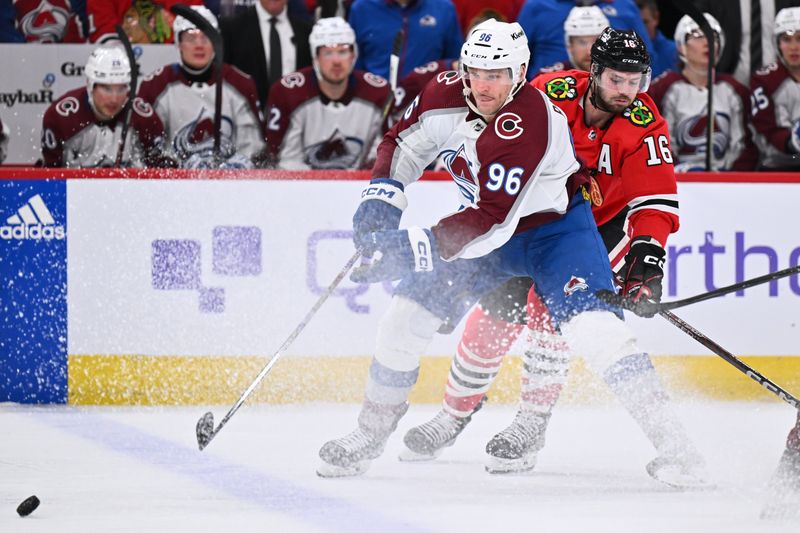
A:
(32, 221)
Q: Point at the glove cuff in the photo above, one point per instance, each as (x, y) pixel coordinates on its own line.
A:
(422, 248)
(386, 192)
(645, 239)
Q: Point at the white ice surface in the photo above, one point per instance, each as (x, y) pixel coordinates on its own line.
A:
(139, 470)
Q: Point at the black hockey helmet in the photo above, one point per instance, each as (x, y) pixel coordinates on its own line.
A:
(620, 50)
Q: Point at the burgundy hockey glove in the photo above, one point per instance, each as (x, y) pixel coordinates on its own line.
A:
(641, 276)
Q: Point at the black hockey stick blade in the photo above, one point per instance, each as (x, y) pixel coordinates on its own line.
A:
(205, 430)
(620, 301)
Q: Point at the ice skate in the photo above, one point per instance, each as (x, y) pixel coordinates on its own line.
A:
(514, 449)
(685, 472)
(427, 441)
(783, 493)
(351, 454)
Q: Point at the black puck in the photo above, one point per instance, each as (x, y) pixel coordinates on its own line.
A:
(28, 506)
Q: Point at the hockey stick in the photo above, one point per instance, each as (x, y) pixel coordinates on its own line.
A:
(126, 44)
(394, 68)
(621, 301)
(205, 426)
(732, 359)
(216, 41)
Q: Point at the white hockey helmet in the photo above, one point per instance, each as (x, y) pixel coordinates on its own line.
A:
(494, 45)
(687, 26)
(330, 31)
(107, 64)
(181, 24)
(583, 21)
(787, 21)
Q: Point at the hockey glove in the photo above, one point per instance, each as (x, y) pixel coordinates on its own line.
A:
(641, 276)
(794, 139)
(382, 205)
(402, 252)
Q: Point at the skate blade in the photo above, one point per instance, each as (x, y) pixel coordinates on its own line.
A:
(410, 456)
(674, 476)
(327, 470)
(496, 465)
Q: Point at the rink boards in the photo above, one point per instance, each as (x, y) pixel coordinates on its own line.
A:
(174, 291)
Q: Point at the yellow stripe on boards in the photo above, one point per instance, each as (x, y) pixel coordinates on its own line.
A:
(180, 380)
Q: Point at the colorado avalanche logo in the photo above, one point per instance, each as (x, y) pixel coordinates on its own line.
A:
(562, 88)
(639, 114)
(690, 135)
(43, 21)
(507, 127)
(448, 77)
(574, 285)
(338, 151)
(460, 168)
(198, 136)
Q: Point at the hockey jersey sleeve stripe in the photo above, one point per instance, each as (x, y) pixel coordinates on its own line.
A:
(667, 202)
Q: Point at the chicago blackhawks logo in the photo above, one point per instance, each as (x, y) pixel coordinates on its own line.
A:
(595, 194)
(639, 114)
(574, 285)
(561, 88)
(507, 127)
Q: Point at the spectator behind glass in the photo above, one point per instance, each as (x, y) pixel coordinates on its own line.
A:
(741, 57)
(665, 55)
(776, 97)
(328, 116)
(174, 109)
(144, 21)
(432, 32)
(473, 12)
(248, 41)
(543, 22)
(83, 128)
(43, 21)
(581, 29)
(682, 99)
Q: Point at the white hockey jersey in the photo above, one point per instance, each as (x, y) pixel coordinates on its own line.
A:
(684, 106)
(306, 130)
(775, 100)
(174, 116)
(73, 137)
(514, 173)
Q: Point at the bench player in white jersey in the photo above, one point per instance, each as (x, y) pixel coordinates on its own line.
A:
(682, 98)
(775, 97)
(4, 135)
(581, 28)
(525, 213)
(83, 128)
(324, 116)
(174, 108)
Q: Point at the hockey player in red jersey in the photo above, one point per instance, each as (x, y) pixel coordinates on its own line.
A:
(83, 128)
(175, 105)
(682, 98)
(775, 97)
(618, 133)
(322, 117)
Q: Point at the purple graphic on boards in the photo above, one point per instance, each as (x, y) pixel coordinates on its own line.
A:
(176, 263)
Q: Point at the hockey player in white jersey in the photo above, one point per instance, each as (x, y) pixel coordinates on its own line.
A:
(682, 98)
(83, 128)
(775, 97)
(323, 117)
(525, 213)
(174, 108)
(581, 28)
